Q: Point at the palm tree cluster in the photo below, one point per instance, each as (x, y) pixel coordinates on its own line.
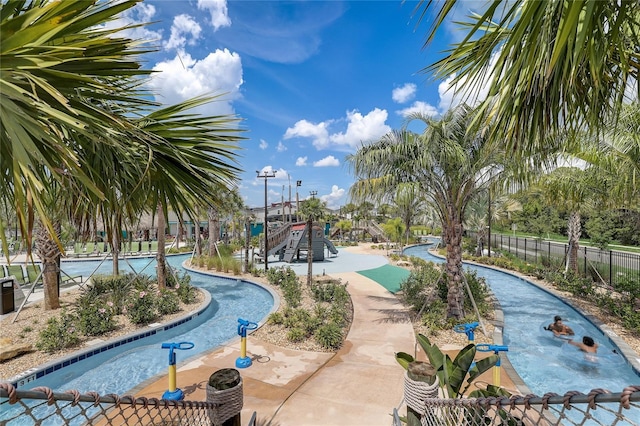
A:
(81, 140)
(562, 80)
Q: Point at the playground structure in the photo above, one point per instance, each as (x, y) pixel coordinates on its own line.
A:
(290, 240)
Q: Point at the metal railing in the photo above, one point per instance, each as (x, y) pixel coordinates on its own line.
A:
(610, 266)
(598, 407)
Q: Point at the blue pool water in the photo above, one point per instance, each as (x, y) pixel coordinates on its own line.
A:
(120, 369)
(543, 363)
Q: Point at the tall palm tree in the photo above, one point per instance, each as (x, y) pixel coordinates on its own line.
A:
(408, 203)
(59, 70)
(550, 65)
(450, 166)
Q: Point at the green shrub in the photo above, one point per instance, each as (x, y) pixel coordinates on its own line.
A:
(276, 318)
(141, 307)
(94, 316)
(329, 291)
(329, 336)
(167, 302)
(60, 333)
(186, 292)
(296, 334)
(419, 287)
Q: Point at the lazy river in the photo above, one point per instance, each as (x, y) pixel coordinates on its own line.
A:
(544, 363)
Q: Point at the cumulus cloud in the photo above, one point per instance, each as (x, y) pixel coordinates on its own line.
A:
(183, 77)
(419, 107)
(361, 128)
(453, 94)
(139, 14)
(184, 30)
(263, 144)
(281, 147)
(333, 199)
(218, 11)
(404, 94)
(305, 129)
(328, 161)
(301, 161)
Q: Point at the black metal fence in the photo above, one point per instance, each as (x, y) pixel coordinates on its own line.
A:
(610, 266)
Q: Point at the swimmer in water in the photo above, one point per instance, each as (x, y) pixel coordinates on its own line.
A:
(558, 328)
(587, 345)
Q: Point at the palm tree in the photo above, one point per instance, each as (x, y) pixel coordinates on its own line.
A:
(408, 204)
(60, 68)
(550, 65)
(450, 166)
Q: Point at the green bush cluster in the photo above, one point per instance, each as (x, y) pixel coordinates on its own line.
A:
(141, 307)
(425, 291)
(167, 302)
(325, 322)
(286, 279)
(60, 333)
(94, 317)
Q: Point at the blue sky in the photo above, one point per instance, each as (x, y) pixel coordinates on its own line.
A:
(311, 80)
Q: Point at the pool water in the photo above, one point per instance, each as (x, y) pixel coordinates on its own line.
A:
(543, 363)
(121, 369)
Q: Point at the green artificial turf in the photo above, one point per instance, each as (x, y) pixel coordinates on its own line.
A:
(388, 276)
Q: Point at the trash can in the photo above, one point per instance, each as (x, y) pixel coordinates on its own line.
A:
(6, 302)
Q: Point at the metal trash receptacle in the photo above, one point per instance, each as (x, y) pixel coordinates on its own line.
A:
(6, 301)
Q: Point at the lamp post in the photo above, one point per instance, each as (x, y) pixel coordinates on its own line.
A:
(266, 175)
(298, 184)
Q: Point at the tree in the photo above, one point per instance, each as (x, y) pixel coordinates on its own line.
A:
(343, 226)
(550, 65)
(394, 229)
(60, 68)
(449, 164)
(408, 204)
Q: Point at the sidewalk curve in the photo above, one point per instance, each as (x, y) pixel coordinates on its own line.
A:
(358, 385)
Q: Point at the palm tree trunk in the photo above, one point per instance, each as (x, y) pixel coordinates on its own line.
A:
(161, 269)
(49, 252)
(455, 295)
(574, 230)
(214, 231)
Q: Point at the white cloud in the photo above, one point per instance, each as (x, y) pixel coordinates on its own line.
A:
(183, 78)
(419, 107)
(218, 11)
(328, 161)
(305, 129)
(452, 95)
(281, 147)
(141, 13)
(403, 94)
(183, 26)
(263, 144)
(301, 161)
(333, 199)
(361, 128)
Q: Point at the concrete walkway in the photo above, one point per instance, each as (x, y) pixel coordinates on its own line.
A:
(359, 385)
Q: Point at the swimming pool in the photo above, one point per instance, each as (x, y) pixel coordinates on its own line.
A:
(541, 361)
(121, 368)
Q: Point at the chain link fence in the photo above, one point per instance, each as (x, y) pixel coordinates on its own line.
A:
(598, 407)
(42, 406)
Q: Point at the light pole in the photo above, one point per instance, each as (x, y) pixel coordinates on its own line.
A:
(298, 184)
(266, 175)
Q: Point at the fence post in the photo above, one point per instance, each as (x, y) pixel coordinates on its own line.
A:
(611, 268)
(585, 261)
(525, 249)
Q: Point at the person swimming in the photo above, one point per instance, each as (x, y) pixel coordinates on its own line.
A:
(558, 328)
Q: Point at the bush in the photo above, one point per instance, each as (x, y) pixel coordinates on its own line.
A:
(329, 291)
(167, 302)
(296, 334)
(141, 307)
(329, 336)
(94, 317)
(419, 287)
(186, 292)
(276, 318)
(60, 333)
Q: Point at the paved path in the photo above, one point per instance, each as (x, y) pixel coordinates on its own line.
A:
(359, 385)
